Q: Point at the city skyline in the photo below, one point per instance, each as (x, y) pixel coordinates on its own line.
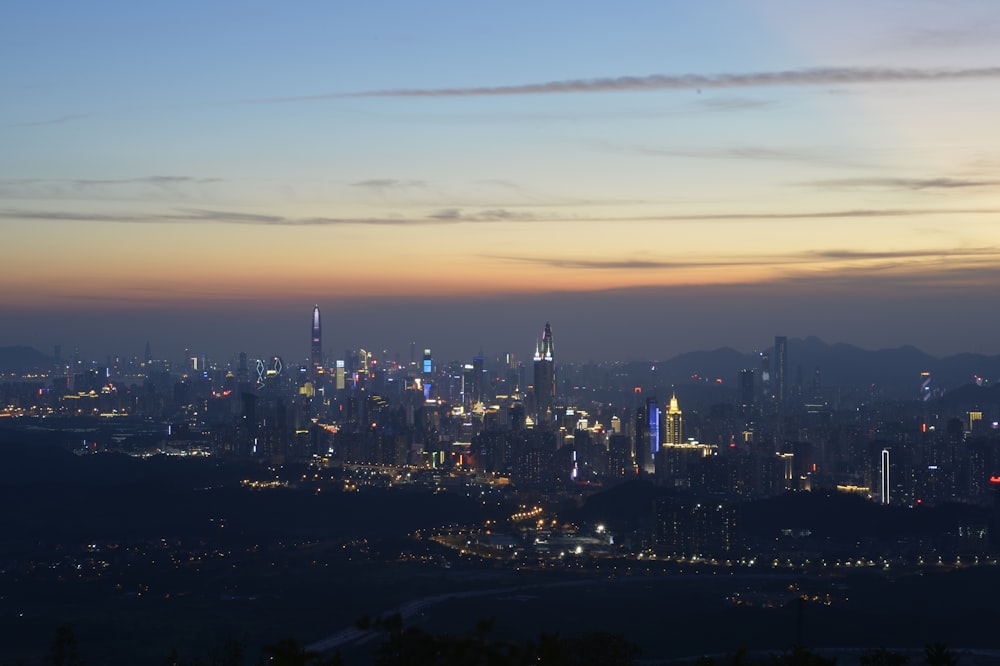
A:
(677, 176)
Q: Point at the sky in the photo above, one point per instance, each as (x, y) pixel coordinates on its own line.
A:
(649, 177)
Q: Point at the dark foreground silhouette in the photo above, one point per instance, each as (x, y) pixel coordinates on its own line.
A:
(412, 646)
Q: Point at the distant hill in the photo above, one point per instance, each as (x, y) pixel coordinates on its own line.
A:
(23, 359)
(839, 364)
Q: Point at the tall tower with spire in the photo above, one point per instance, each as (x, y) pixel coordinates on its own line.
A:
(675, 434)
(545, 374)
(316, 353)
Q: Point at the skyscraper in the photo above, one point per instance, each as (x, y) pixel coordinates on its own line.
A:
(545, 374)
(884, 480)
(675, 435)
(477, 380)
(316, 355)
(765, 376)
(781, 369)
(652, 435)
(746, 393)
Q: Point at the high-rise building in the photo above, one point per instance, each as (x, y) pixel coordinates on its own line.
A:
(648, 436)
(781, 369)
(477, 380)
(674, 431)
(765, 376)
(316, 355)
(884, 480)
(545, 374)
(341, 376)
(747, 393)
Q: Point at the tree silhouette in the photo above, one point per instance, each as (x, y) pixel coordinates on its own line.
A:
(412, 646)
(883, 657)
(288, 652)
(938, 654)
(64, 650)
(232, 654)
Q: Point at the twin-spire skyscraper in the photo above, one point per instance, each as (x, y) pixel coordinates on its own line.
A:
(545, 373)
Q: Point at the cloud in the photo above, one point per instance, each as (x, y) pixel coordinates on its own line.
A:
(203, 215)
(615, 264)
(200, 215)
(953, 253)
(152, 180)
(904, 183)
(459, 216)
(52, 121)
(821, 76)
(56, 216)
(389, 184)
(893, 274)
(749, 153)
(91, 187)
(723, 104)
(833, 214)
(494, 215)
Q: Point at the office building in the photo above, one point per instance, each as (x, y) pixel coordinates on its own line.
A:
(781, 368)
(674, 435)
(545, 375)
(316, 350)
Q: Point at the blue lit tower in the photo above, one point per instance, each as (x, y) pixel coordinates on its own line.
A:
(545, 374)
(652, 432)
(316, 355)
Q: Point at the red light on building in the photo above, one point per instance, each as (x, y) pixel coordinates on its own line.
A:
(995, 480)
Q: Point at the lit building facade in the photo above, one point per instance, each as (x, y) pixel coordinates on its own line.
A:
(544, 376)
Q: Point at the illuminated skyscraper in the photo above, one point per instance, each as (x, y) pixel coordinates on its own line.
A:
(316, 356)
(674, 432)
(884, 481)
(652, 435)
(545, 374)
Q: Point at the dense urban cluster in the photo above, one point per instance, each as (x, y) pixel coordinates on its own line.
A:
(541, 432)
(257, 481)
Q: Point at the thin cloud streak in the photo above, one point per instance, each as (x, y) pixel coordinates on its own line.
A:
(874, 212)
(153, 180)
(389, 184)
(757, 153)
(904, 183)
(909, 254)
(801, 258)
(821, 76)
(53, 121)
(448, 216)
